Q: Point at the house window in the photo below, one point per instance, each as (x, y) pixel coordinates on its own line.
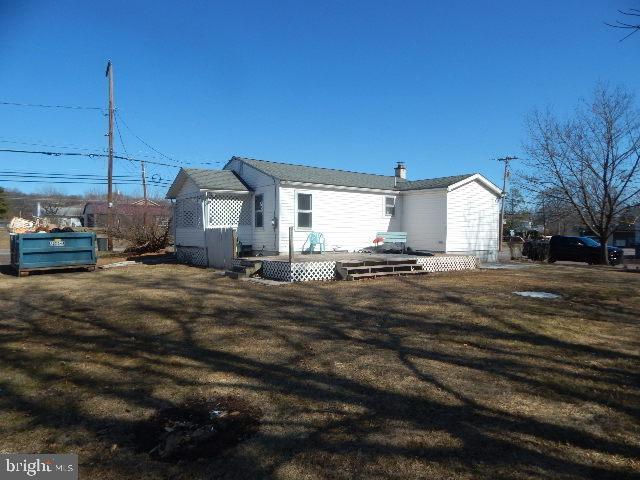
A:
(259, 210)
(304, 210)
(390, 206)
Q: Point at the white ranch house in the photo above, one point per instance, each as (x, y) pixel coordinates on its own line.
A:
(262, 199)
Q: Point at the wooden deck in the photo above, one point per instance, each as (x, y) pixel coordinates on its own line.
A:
(338, 257)
(349, 265)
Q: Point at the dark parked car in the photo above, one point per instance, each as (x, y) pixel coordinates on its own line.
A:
(580, 249)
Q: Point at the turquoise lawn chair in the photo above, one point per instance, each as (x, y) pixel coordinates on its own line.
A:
(314, 239)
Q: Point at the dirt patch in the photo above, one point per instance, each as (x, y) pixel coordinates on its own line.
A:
(197, 428)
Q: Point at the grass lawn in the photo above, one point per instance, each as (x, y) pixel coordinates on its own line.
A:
(439, 376)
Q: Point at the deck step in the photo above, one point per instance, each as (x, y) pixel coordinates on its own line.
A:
(247, 268)
(359, 276)
(375, 261)
(393, 266)
(377, 266)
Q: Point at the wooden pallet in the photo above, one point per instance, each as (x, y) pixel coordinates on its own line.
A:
(24, 272)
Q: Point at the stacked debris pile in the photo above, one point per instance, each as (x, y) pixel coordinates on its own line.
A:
(22, 225)
(197, 428)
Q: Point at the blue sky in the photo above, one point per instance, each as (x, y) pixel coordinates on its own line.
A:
(443, 86)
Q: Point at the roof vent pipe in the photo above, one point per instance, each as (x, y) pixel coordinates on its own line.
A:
(400, 171)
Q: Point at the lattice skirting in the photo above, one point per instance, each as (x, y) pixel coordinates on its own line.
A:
(299, 272)
(192, 256)
(236, 262)
(448, 263)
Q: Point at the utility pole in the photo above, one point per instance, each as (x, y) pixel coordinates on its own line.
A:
(506, 161)
(109, 74)
(144, 194)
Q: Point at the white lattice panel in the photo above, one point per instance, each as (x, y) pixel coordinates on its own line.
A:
(276, 270)
(311, 271)
(228, 211)
(188, 213)
(448, 263)
(299, 272)
(192, 256)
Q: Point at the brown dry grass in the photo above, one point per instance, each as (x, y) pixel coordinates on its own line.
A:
(442, 376)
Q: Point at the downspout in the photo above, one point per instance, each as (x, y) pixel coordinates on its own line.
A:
(446, 219)
(174, 203)
(276, 216)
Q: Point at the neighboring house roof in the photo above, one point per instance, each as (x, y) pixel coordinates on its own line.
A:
(329, 176)
(208, 180)
(147, 202)
(69, 212)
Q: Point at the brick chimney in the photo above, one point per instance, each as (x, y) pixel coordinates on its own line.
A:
(401, 171)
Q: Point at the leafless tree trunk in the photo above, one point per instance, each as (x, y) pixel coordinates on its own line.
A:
(591, 161)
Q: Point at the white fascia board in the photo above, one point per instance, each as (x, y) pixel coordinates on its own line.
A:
(176, 185)
(235, 192)
(490, 186)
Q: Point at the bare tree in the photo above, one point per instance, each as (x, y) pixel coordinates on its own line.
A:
(591, 161)
(631, 22)
(552, 211)
(142, 237)
(4, 203)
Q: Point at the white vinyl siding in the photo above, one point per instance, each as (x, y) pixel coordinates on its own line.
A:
(188, 189)
(261, 184)
(472, 221)
(424, 218)
(349, 220)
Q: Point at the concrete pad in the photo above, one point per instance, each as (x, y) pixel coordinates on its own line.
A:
(507, 266)
(126, 263)
(264, 281)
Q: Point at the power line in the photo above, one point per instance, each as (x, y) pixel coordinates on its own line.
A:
(144, 142)
(85, 177)
(33, 144)
(81, 182)
(79, 154)
(124, 148)
(118, 114)
(21, 173)
(39, 105)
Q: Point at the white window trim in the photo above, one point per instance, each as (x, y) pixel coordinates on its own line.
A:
(255, 211)
(384, 206)
(298, 228)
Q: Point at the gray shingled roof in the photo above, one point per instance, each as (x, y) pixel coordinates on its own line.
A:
(216, 179)
(440, 182)
(208, 180)
(328, 176)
